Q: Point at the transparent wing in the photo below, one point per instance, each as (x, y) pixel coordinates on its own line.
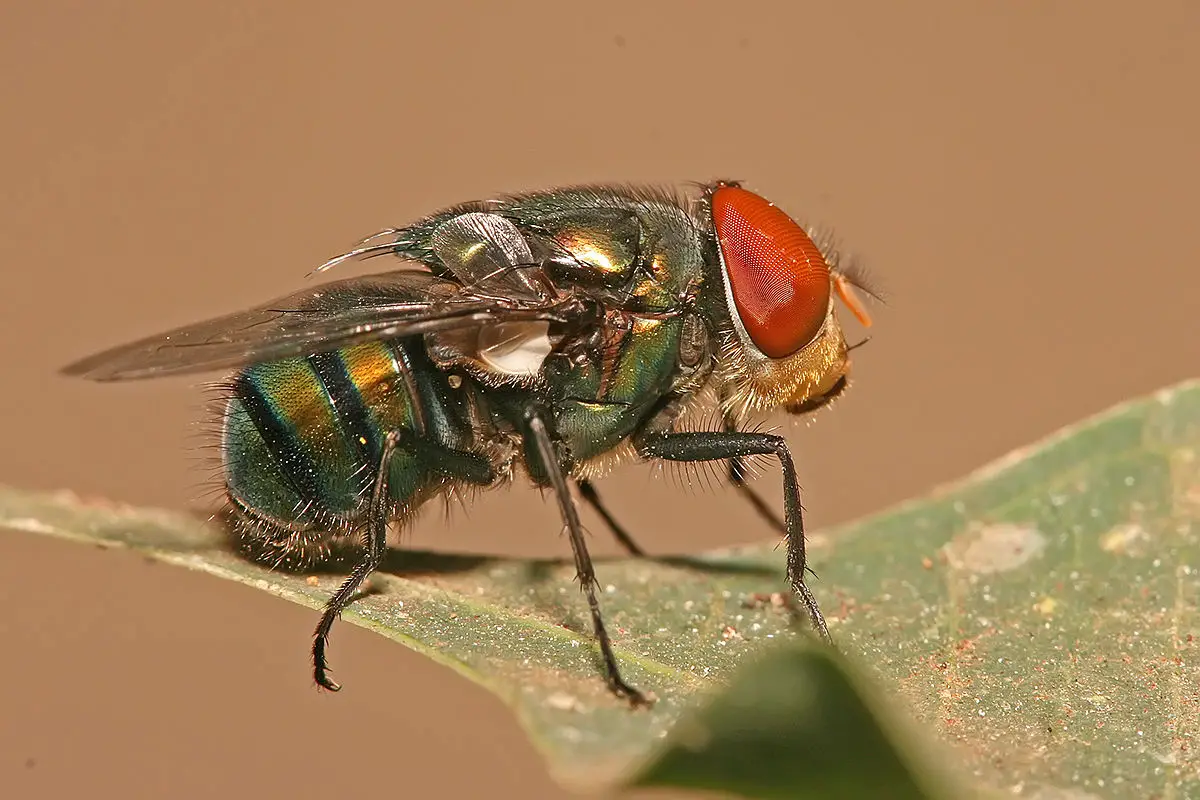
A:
(322, 318)
(486, 252)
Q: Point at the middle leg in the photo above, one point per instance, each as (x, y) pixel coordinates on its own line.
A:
(586, 573)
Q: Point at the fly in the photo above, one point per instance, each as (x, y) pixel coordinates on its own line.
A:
(552, 333)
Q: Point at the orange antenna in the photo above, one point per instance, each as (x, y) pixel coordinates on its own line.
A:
(845, 291)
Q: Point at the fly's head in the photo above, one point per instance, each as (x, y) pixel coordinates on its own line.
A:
(784, 347)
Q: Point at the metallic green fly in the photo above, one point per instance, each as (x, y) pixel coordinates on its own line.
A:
(556, 333)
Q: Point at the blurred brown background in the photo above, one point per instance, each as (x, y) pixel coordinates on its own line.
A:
(1021, 177)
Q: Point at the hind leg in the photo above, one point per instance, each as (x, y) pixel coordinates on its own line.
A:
(457, 465)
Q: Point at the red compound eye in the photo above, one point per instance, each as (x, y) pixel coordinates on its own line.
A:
(779, 278)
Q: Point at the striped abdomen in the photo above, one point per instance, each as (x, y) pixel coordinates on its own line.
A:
(302, 437)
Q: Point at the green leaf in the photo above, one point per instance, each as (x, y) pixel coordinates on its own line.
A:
(1039, 619)
(796, 723)
(1042, 615)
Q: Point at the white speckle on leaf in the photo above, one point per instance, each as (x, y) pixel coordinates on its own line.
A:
(561, 701)
(988, 549)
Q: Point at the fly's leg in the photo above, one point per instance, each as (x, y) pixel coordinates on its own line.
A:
(454, 464)
(737, 466)
(548, 455)
(737, 476)
(587, 491)
(376, 545)
(712, 446)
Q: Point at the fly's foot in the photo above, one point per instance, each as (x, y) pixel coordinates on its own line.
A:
(326, 682)
(814, 611)
(321, 668)
(629, 694)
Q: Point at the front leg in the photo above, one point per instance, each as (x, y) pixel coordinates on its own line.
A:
(737, 477)
(736, 445)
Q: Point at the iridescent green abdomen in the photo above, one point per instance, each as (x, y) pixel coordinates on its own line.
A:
(303, 437)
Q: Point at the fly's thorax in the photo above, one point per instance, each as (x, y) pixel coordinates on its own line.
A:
(624, 249)
(640, 246)
(603, 386)
(595, 248)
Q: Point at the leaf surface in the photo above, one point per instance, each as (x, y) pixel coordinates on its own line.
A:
(1039, 618)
